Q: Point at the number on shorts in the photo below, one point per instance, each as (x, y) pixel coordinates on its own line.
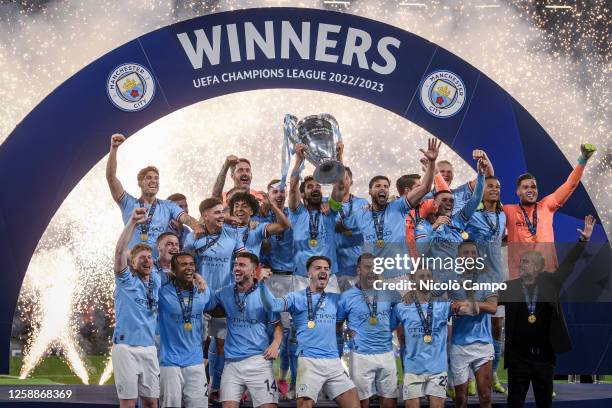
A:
(273, 386)
(443, 379)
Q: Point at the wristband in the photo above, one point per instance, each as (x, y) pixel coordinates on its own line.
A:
(334, 205)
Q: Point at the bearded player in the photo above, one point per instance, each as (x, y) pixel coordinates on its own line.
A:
(134, 355)
(530, 223)
(248, 349)
(240, 172)
(383, 222)
(313, 228)
(277, 254)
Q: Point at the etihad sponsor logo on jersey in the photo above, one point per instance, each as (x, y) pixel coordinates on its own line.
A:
(333, 43)
(366, 316)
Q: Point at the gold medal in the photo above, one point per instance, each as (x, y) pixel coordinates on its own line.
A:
(188, 326)
(313, 243)
(427, 338)
(144, 237)
(311, 324)
(531, 319)
(380, 243)
(465, 235)
(348, 233)
(373, 320)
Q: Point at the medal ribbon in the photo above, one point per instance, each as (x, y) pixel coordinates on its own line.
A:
(426, 321)
(242, 303)
(245, 234)
(313, 223)
(210, 243)
(531, 302)
(373, 307)
(458, 230)
(379, 224)
(144, 227)
(350, 210)
(493, 228)
(312, 313)
(417, 215)
(150, 299)
(185, 309)
(532, 227)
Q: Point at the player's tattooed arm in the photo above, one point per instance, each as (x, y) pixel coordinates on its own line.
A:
(230, 161)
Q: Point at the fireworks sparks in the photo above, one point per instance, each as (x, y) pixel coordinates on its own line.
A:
(554, 61)
(55, 309)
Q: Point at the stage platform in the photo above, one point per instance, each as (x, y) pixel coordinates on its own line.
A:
(568, 395)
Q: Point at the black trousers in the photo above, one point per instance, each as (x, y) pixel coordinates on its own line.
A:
(524, 370)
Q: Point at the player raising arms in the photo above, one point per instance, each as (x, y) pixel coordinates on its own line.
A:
(463, 193)
(159, 212)
(136, 292)
(530, 223)
(487, 228)
(240, 172)
(383, 222)
(313, 229)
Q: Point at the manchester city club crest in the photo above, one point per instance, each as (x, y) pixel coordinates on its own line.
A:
(130, 87)
(442, 94)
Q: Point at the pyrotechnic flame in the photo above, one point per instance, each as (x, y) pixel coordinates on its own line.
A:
(108, 371)
(52, 277)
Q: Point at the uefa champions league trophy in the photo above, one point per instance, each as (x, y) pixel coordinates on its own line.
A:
(320, 133)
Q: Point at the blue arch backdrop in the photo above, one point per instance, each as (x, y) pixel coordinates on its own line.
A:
(163, 71)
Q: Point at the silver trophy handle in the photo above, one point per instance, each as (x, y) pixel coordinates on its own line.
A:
(290, 127)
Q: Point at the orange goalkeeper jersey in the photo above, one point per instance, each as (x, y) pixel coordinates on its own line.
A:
(520, 239)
